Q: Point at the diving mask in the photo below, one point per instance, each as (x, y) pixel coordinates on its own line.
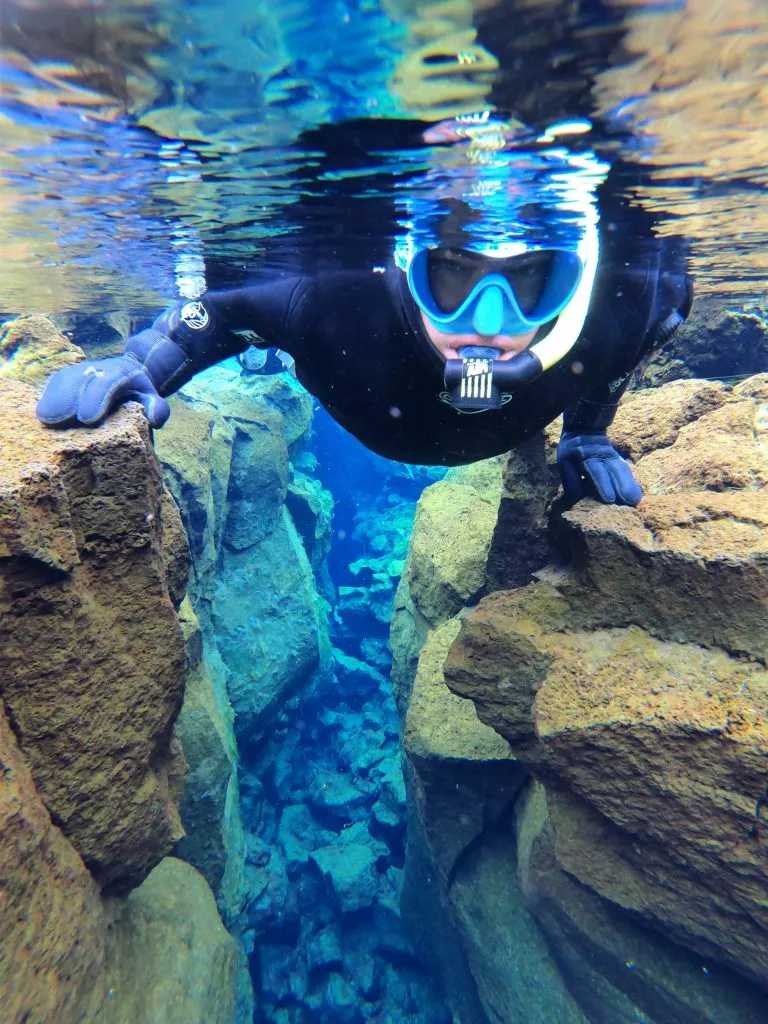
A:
(467, 292)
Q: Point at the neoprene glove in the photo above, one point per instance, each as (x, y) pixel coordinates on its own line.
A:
(87, 392)
(591, 467)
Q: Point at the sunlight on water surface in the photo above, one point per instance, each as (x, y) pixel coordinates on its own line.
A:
(145, 141)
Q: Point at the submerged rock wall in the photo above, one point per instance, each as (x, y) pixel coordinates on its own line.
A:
(92, 564)
(235, 456)
(232, 452)
(629, 685)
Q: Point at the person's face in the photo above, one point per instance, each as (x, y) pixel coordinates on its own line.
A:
(449, 344)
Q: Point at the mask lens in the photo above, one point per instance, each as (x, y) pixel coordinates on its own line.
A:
(452, 274)
(528, 275)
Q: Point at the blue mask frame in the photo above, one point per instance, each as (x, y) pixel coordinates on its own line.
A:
(491, 307)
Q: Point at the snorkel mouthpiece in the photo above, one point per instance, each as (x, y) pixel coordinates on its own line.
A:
(474, 380)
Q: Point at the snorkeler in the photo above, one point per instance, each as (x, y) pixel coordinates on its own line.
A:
(494, 315)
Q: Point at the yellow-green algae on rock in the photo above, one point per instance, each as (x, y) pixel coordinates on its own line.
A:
(446, 563)
(32, 348)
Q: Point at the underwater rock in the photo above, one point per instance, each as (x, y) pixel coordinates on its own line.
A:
(360, 681)
(630, 680)
(267, 619)
(713, 342)
(446, 563)
(439, 725)
(382, 525)
(340, 1000)
(462, 778)
(279, 981)
(464, 773)
(92, 648)
(324, 949)
(617, 968)
(226, 453)
(360, 968)
(32, 348)
(169, 958)
(93, 672)
(486, 477)
(651, 420)
(70, 956)
(449, 549)
(195, 450)
(311, 508)
(334, 796)
(258, 482)
(298, 834)
(364, 610)
(407, 633)
(174, 548)
(517, 977)
(386, 819)
(376, 653)
(635, 682)
(210, 807)
(255, 399)
(350, 871)
(51, 921)
(672, 758)
(100, 335)
(271, 906)
(520, 541)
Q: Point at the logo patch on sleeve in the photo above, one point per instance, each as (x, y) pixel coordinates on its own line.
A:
(195, 315)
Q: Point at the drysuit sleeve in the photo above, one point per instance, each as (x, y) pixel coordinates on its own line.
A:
(186, 338)
(595, 412)
(589, 464)
(193, 335)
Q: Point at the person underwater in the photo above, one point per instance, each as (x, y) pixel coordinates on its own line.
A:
(508, 300)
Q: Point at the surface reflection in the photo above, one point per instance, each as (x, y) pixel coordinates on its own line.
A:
(142, 139)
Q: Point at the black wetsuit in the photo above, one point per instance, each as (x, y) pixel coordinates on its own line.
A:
(360, 348)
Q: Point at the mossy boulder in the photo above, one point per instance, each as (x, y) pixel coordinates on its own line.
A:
(32, 348)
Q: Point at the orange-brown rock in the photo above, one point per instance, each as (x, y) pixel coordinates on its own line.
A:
(633, 683)
(615, 967)
(70, 956)
(667, 741)
(51, 951)
(92, 651)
